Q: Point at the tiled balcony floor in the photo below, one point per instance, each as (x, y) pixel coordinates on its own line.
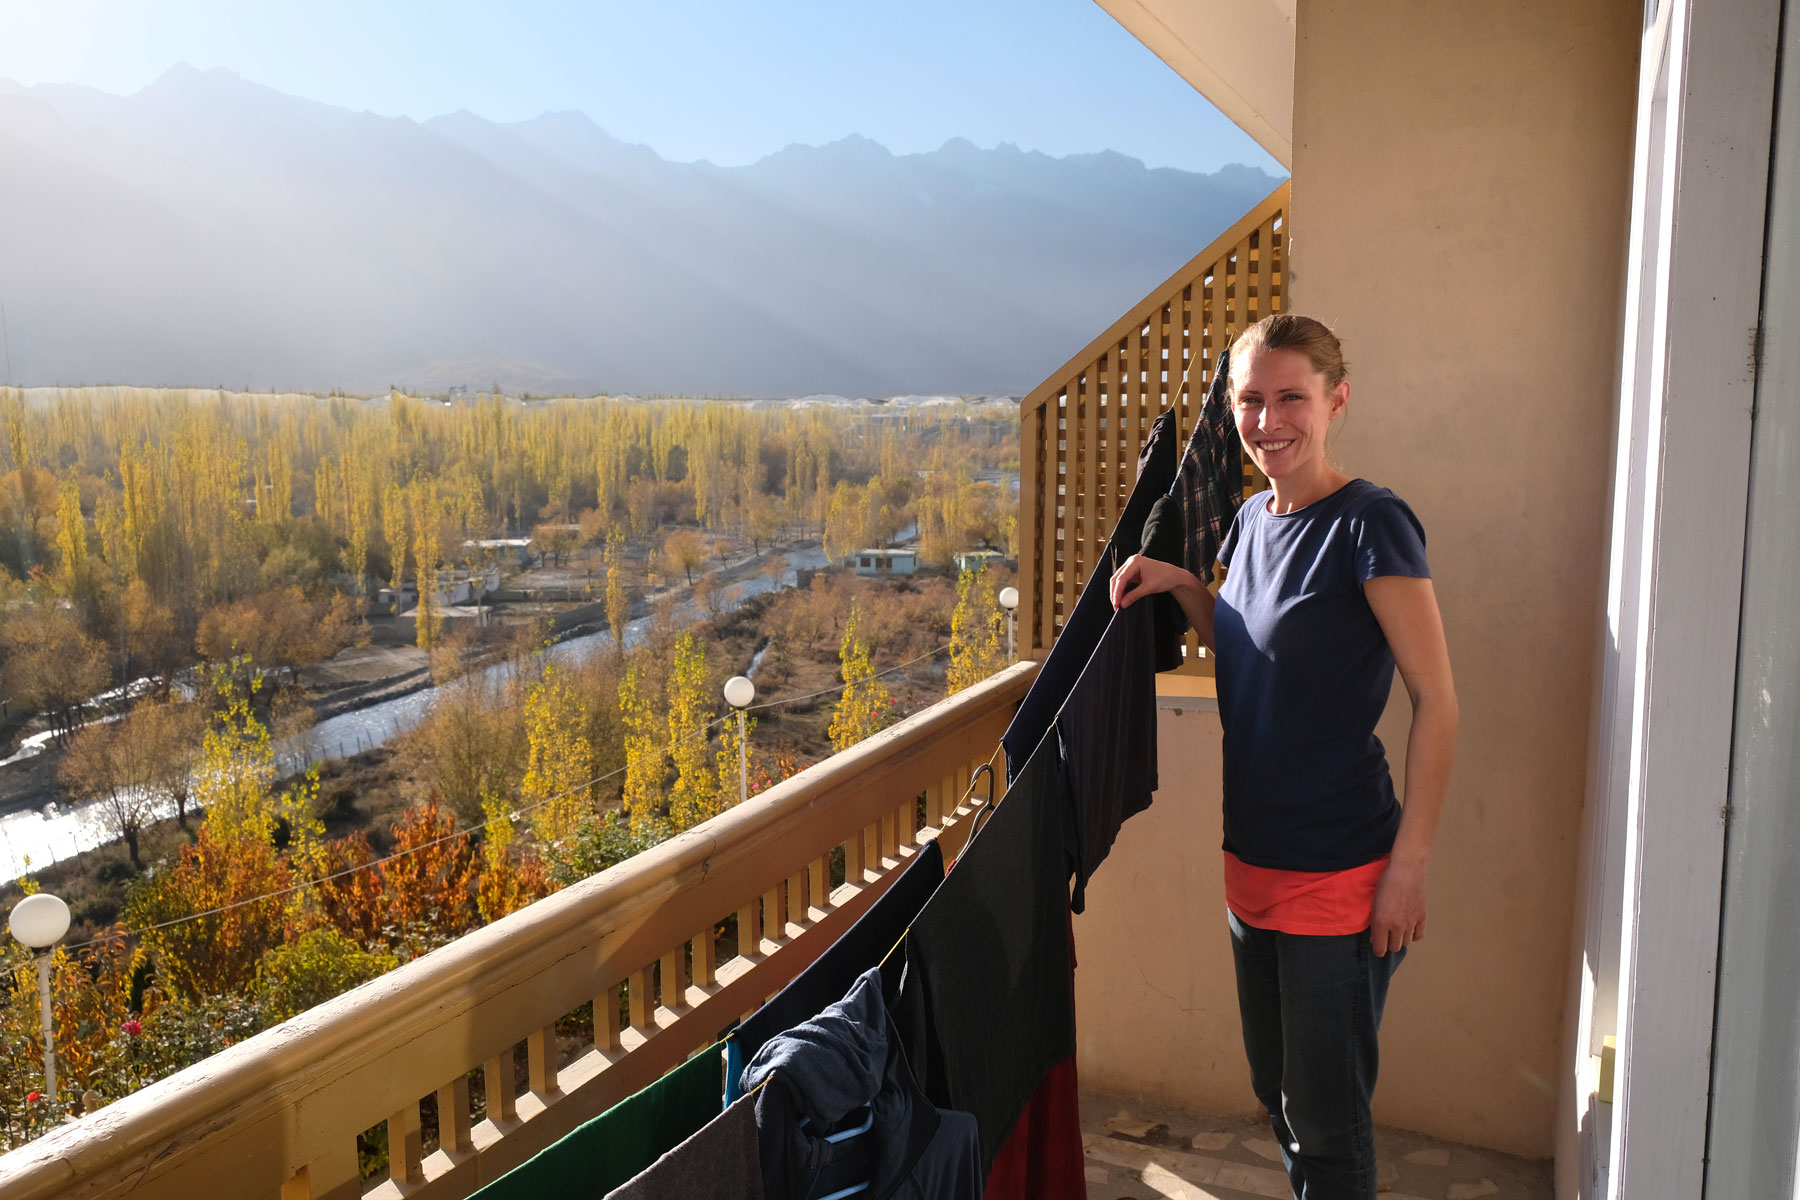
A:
(1139, 1151)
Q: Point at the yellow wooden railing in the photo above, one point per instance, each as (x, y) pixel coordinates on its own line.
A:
(1081, 429)
(278, 1115)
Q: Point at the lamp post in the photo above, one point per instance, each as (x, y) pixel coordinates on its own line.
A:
(39, 921)
(1009, 600)
(740, 693)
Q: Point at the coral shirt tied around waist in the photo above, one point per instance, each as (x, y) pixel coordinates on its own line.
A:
(1320, 903)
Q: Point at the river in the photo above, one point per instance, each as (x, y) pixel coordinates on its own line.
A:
(56, 832)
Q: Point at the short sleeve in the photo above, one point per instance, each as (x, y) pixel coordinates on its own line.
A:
(1389, 541)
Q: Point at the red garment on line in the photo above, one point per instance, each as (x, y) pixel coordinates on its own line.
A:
(1043, 1160)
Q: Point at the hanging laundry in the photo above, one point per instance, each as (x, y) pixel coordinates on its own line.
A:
(830, 976)
(1210, 483)
(720, 1162)
(622, 1141)
(1083, 628)
(1043, 1159)
(987, 1005)
(1106, 734)
(826, 1069)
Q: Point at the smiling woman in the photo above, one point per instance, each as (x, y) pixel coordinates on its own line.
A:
(1327, 592)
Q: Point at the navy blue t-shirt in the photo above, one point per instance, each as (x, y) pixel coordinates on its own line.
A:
(1303, 675)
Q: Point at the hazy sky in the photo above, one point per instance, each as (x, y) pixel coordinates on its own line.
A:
(726, 80)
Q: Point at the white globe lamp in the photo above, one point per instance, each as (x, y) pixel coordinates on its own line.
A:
(1009, 600)
(39, 921)
(740, 693)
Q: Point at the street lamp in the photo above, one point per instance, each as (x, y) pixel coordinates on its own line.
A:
(1009, 600)
(740, 693)
(39, 921)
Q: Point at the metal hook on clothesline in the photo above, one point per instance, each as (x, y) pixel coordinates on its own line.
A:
(987, 806)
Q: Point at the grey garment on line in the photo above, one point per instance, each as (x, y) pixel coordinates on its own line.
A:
(720, 1162)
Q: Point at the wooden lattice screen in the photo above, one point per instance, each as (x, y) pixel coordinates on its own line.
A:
(1081, 429)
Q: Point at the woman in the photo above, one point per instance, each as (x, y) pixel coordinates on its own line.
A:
(1326, 592)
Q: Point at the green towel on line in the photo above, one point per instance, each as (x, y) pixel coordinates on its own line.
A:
(622, 1141)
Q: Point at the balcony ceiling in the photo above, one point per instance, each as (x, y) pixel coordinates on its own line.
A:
(1239, 54)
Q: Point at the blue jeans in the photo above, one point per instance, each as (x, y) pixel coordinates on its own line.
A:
(1311, 1007)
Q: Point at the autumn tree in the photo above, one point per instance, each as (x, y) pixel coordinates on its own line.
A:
(862, 707)
(104, 767)
(977, 632)
(618, 599)
(429, 617)
(693, 797)
(641, 793)
(51, 664)
(558, 780)
(472, 744)
(684, 550)
(279, 631)
(235, 779)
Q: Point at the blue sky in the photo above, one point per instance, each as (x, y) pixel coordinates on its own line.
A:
(726, 80)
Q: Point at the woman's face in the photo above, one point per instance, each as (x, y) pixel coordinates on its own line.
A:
(1283, 410)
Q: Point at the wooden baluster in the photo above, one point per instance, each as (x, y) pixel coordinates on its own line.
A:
(886, 825)
(749, 930)
(540, 1053)
(906, 823)
(606, 1020)
(643, 1003)
(403, 1145)
(775, 914)
(796, 897)
(856, 858)
(818, 884)
(674, 978)
(502, 1093)
(453, 1117)
(705, 957)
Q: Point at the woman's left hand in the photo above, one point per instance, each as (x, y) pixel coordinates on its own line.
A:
(1399, 913)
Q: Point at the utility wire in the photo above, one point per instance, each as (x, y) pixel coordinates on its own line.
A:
(511, 815)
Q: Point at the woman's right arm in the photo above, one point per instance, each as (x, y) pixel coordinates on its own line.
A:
(1141, 576)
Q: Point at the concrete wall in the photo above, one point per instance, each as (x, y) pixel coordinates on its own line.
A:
(1461, 199)
(1155, 998)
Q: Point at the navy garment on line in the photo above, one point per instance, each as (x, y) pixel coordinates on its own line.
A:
(1106, 734)
(819, 1074)
(987, 1005)
(829, 977)
(1300, 650)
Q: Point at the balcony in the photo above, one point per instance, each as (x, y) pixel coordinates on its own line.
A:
(279, 1115)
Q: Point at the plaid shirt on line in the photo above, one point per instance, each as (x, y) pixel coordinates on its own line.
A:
(1210, 483)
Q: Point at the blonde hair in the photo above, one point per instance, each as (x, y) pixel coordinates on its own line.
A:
(1288, 331)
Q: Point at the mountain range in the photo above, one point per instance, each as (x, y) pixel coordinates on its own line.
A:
(207, 230)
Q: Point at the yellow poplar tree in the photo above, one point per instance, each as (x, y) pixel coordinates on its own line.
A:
(560, 759)
(71, 535)
(235, 781)
(642, 790)
(393, 525)
(618, 602)
(977, 632)
(862, 707)
(430, 618)
(695, 795)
